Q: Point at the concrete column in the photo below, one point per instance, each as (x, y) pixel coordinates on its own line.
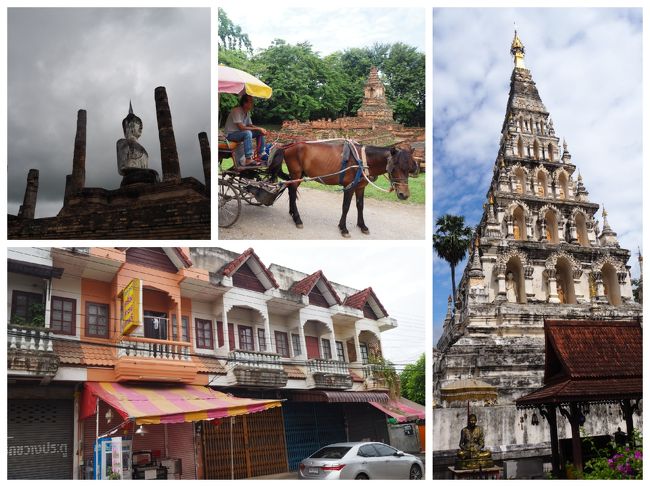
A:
(206, 158)
(267, 332)
(28, 208)
(78, 180)
(303, 342)
(224, 329)
(168, 152)
(501, 283)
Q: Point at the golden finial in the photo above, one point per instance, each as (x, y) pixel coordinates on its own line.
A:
(518, 51)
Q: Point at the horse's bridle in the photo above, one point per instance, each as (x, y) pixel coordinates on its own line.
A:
(390, 167)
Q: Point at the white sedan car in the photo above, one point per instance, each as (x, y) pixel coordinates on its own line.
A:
(360, 461)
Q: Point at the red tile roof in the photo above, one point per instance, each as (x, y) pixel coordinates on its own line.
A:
(209, 365)
(359, 300)
(307, 284)
(235, 264)
(75, 353)
(590, 360)
(591, 349)
(294, 372)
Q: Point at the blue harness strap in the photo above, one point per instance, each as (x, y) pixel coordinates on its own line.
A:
(347, 152)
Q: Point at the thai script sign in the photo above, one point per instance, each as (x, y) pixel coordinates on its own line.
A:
(58, 449)
(116, 457)
(132, 306)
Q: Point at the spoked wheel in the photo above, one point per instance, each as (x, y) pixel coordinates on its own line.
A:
(415, 473)
(229, 204)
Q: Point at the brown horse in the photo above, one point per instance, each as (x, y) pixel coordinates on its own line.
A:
(334, 164)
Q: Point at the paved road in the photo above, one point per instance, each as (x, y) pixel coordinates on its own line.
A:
(320, 212)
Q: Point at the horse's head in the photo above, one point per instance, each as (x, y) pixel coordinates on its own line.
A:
(400, 165)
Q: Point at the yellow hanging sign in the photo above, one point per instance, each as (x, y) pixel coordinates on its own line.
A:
(132, 306)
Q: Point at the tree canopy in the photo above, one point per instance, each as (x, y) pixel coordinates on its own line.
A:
(451, 241)
(412, 380)
(308, 86)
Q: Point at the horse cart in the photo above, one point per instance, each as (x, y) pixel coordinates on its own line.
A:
(345, 163)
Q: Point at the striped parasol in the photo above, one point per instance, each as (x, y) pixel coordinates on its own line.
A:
(238, 82)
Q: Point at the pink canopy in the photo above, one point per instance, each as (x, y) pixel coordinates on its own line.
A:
(237, 82)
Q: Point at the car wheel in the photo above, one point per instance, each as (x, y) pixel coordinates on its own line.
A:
(415, 473)
(361, 476)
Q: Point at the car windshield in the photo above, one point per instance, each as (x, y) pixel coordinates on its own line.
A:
(335, 452)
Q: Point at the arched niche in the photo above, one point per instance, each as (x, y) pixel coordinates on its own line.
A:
(564, 281)
(520, 147)
(515, 266)
(551, 152)
(581, 229)
(519, 223)
(520, 177)
(541, 183)
(536, 149)
(563, 186)
(551, 227)
(610, 282)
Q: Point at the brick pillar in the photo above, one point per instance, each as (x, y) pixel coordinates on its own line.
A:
(168, 153)
(78, 180)
(206, 157)
(28, 208)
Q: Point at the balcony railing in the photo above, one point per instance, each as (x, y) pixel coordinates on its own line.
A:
(261, 360)
(139, 347)
(31, 352)
(374, 377)
(20, 338)
(328, 366)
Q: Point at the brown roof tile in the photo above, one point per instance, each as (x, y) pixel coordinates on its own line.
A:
(590, 360)
(294, 372)
(359, 300)
(307, 284)
(75, 353)
(590, 349)
(209, 365)
(235, 264)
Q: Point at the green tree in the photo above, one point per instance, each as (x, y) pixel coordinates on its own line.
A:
(451, 241)
(231, 36)
(404, 75)
(412, 380)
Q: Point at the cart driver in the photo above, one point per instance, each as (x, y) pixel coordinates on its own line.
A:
(239, 128)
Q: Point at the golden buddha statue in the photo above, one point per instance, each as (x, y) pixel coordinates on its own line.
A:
(472, 454)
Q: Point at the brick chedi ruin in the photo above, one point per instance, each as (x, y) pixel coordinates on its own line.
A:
(373, 123)
(145, 206)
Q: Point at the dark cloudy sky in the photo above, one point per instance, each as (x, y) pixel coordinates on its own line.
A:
(64, 59)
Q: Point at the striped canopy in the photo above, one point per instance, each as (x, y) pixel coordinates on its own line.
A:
(158, 404)
(401, 409)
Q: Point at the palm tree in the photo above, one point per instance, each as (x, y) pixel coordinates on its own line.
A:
(450, 242)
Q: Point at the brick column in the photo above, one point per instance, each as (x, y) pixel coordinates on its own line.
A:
(168, 152)
(206, 158)
(28, 208)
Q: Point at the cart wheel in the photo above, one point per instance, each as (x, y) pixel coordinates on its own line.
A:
(229, 204)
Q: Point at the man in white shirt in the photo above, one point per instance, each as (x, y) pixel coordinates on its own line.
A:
(239, 127)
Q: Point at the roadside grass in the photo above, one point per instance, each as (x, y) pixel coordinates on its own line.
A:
(416, 186)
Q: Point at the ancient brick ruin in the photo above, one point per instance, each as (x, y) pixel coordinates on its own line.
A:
(373, 124)
(144, 207)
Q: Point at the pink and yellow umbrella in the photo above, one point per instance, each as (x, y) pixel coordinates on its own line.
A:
(238, 82)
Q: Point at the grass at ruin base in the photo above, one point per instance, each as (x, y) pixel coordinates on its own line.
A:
(416, 186)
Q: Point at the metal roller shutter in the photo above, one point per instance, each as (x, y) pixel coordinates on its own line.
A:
(309, 426)
(40, 439)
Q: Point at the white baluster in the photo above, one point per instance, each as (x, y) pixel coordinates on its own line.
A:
(13, 345)
(41, 341)
(23, 339)
(50, 345)
(32, 341)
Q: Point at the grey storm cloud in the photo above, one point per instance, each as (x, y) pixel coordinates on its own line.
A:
(61, 60)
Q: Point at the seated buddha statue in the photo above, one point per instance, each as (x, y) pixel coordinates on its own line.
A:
(132, 158)
(472, 454)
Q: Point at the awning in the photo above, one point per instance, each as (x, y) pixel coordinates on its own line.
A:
(154, 404)
(339, 396)
(402, 410)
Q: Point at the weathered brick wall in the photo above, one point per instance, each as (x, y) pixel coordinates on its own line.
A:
(164, 211)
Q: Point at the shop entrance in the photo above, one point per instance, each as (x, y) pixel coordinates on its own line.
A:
(244, 446)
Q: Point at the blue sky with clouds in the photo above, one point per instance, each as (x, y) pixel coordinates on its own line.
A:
(587, 64)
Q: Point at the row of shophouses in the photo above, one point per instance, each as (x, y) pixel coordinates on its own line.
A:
(201, 360)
